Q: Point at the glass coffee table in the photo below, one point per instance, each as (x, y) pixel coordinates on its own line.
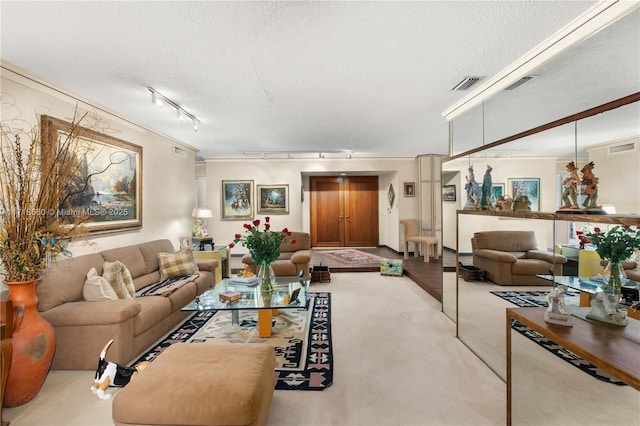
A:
(288, 293)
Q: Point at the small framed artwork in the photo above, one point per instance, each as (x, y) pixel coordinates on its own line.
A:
(391, 195)
(409, 189)
(449, 193)
(273, 199)
(186, 242)
(237, 196)
(497, 191)
(529, 187)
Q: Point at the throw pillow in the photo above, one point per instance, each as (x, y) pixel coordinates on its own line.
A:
(97, 287)
(177, 264)
(128, 279)
(113, 274)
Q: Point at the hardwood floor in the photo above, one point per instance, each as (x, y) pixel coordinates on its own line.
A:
(428, 275)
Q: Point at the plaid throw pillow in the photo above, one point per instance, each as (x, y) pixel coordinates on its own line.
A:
(177, 264)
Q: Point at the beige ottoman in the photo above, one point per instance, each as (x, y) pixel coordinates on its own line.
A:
(200, 384)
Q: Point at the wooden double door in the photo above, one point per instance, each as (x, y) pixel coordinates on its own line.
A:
(344, 211)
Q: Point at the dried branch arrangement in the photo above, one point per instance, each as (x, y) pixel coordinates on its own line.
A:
(39, 174)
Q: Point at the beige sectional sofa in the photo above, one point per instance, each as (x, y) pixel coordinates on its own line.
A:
(83, 327)
(293, 257)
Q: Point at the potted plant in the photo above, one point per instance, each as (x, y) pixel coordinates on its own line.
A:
(40, 174)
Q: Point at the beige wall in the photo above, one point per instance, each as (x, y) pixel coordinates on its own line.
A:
(167, 180)
(295, 173)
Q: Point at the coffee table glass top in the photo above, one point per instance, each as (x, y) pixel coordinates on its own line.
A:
(584, 284)
(288, 292)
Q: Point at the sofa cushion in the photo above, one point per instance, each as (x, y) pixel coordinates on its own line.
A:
(177, 264)
(146, 280)
(64, 282)
(131, 256)
(153, 310)
(514, 241)
(97, 287)
(120, 279)
(150, 252)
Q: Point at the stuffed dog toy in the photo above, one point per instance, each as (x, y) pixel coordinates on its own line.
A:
(112, 374)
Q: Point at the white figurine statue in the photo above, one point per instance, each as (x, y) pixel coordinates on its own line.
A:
(557, 313)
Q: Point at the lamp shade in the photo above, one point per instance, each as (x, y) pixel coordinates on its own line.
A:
(202, 213)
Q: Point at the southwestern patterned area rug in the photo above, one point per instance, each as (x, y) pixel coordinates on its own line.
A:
(532, 299)
(301, 338)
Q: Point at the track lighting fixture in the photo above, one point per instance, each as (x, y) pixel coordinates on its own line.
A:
(159, 99)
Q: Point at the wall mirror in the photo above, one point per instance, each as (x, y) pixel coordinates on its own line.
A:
(602, 68)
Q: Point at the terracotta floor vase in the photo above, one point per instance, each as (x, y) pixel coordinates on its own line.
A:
(34, 343)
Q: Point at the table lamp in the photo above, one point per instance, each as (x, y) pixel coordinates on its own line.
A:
(200, 213)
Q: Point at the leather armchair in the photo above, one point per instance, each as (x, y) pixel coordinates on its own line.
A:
(293, 257)
(513, 258)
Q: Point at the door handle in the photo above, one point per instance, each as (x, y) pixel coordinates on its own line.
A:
(340, 218)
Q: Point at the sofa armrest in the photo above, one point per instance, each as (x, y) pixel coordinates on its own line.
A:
(247, 259)
(207, 264)
(99, 312)
(499, 256)
(301, 256)
(546, 256)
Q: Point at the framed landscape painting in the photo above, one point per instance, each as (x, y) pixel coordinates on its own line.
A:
(108, 182)
(526, 186)
(237, 196)
(273, 199)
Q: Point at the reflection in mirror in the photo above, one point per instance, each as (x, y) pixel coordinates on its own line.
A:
(601, 68)
(597, 71)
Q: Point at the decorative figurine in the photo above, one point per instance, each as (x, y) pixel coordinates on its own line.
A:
(556, 313)
(472, 189)
(590, 182)
(570, 184)
(198, 230)
(485, 200)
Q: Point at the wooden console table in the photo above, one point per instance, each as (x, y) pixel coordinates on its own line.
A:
(610, 347)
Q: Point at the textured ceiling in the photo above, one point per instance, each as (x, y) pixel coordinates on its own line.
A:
(368, 77)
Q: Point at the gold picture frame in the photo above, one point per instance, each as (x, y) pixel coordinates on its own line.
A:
(237, 199)
(110, 188)
(272, 199)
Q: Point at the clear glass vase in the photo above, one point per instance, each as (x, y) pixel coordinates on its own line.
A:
(267, 277)
(617, 277)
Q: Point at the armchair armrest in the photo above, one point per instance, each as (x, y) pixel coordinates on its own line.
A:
(247, 259)
(301, 256)
(207, 264)
(546, 256)
(497, 255)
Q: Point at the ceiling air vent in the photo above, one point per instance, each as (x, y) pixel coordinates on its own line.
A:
(179, 152)
(466, 83)
(520, 82)
(625, 147)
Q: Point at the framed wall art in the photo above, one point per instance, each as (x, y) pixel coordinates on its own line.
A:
(529, 187)
(497, 190)
(409, 189)
(272, 199)
(449, 193)
(108, 178)
(237, 199)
